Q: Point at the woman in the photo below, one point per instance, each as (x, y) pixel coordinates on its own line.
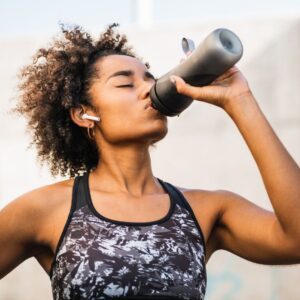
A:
(115, 230)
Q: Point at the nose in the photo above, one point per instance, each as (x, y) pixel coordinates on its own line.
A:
(145, 90)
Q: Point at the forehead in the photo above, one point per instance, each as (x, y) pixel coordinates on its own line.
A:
(112, 63)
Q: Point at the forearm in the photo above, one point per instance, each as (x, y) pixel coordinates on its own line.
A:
(280, 173)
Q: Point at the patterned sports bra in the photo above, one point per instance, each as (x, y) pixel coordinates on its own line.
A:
(99, 258)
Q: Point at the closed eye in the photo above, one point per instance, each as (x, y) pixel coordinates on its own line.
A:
(125, 85)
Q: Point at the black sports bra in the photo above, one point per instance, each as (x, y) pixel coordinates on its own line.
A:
(100, 258)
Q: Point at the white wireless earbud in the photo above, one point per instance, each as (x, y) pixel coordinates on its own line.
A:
(86, 116)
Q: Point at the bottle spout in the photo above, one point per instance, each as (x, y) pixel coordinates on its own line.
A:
(188, 46)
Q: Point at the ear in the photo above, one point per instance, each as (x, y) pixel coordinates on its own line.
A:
(76, 116)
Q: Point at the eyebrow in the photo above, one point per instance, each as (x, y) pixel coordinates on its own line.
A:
(129, 73)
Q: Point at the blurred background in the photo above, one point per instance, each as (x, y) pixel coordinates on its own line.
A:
(203, 148)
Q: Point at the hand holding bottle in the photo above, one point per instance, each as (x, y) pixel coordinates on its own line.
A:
(228, 89)
(216, 54)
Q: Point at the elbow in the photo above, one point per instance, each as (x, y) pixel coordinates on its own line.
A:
(297, 250)
(294, 252)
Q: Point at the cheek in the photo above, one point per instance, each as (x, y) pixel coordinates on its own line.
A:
(120, 112)
(132, 125)
(126, 119)
(120, 120)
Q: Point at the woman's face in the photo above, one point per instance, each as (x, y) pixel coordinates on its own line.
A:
(121, 96)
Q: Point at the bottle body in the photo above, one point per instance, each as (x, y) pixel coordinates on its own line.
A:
(218, 52)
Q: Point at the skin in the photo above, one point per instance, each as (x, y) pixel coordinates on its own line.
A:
(124, 188)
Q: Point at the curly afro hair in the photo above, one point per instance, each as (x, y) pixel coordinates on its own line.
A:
(58, 79)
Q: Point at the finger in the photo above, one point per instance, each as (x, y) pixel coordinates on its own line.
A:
(205, 93)
(226, 75)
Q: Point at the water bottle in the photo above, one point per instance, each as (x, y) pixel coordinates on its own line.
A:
(217, 53)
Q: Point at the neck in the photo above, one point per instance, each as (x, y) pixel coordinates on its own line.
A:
(125, 169)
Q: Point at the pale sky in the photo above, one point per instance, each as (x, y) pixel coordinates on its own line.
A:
(34, 17)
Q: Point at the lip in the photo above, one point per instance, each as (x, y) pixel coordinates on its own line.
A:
(153, 110)
(150, 106)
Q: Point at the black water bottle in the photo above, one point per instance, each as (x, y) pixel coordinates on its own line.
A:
(217, 53)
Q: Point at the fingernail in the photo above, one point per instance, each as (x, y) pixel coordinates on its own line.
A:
(172, 79)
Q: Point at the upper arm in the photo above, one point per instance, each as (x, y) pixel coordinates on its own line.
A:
(17, 233)
(253, 233)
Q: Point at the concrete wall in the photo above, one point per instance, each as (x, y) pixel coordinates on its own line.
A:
(202, 150)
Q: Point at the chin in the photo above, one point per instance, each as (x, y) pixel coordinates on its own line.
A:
(159, 134)
(149, 134)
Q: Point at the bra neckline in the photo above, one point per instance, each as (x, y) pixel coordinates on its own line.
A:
(148, 223)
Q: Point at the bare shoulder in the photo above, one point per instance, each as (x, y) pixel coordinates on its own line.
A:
(212, 199)
(44, 198)
(27, 224)
(207, 206)
(38, 207)
(212, 202)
